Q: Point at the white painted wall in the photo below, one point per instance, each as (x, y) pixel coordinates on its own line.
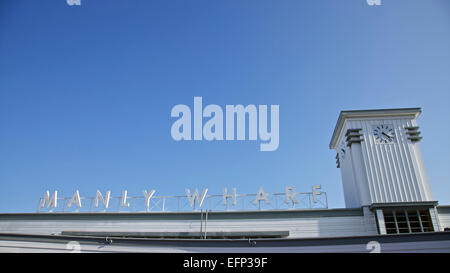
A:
(298, 227)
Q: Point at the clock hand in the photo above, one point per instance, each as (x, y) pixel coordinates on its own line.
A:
(386, 135)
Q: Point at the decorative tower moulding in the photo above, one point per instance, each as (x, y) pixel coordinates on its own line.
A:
(413, 133)
(353, 136)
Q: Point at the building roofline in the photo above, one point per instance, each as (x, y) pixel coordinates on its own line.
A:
(191, 215)
(347, 114)
(422, 204)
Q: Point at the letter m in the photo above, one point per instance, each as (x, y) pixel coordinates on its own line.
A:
(240, 112)
(48, 201)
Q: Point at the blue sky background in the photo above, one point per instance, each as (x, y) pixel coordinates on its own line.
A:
(86, 91)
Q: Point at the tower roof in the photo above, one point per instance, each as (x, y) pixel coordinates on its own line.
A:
(374, 113)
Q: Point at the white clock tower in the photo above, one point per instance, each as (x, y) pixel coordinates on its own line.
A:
(382, 168)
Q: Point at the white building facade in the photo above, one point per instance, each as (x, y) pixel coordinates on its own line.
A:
(387, 195)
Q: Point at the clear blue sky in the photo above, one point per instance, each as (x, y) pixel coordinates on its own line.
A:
(86, 91)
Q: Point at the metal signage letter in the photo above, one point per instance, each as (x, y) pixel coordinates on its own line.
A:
(315, 192)
(194, 196)
(75, 200)
(124, 202)
(225, 197)
(290, 195)
(260, 196)
(105, 201)
(49, 202)
(148, 196)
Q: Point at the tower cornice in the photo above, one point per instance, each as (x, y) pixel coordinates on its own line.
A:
(374, 113)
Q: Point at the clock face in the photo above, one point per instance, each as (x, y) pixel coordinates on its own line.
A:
(384, 133)
(342, 150)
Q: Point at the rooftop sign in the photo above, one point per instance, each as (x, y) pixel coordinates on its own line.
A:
(192, 201)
